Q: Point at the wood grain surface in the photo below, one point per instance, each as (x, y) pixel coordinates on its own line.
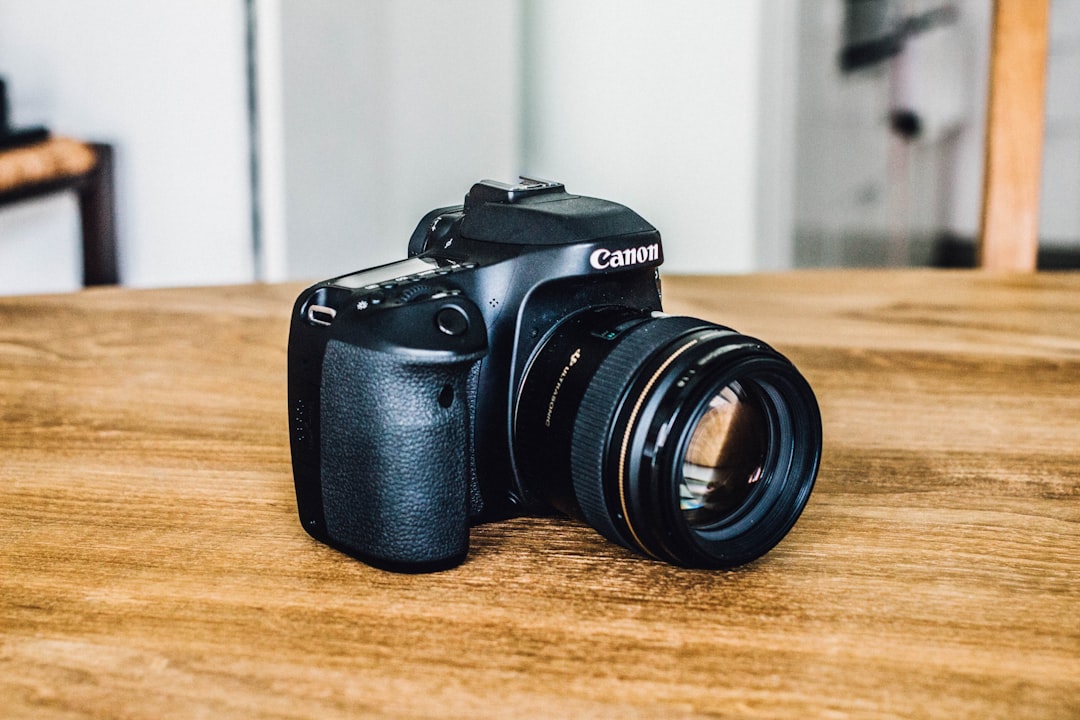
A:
(151, 564)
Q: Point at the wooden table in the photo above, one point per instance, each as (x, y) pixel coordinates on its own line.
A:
(153, 566)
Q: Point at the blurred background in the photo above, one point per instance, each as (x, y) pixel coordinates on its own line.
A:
(298, 139)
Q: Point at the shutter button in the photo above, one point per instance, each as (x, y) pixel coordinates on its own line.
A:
(452, 320)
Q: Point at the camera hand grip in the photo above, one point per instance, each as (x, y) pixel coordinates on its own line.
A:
(395, 456)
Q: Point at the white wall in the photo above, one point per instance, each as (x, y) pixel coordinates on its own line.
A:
(864, 195)
(373, 112)
(390, 109)
(656, 106)
(39, 246)
(1059, 217)
(165, 82)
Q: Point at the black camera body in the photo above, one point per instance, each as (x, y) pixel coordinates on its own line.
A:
(492, 374)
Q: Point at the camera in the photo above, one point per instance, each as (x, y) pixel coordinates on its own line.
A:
(518, 362)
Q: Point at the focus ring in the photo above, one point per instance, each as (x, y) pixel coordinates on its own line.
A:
(591, 441)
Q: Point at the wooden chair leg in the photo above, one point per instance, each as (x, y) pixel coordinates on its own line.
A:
(97, 207)
(1014, 127)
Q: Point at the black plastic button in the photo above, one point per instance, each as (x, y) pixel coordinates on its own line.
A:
(452, 320)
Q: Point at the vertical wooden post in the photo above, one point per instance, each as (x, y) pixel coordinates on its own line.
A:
(1014, 133)
(97, 207)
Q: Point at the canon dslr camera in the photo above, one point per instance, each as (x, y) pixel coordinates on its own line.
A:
(518, 363)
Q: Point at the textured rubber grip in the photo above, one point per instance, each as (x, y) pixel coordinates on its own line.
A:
(395, 458)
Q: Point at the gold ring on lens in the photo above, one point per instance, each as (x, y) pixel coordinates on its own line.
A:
(623, 480)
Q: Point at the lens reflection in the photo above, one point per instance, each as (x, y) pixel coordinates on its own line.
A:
(724, 458)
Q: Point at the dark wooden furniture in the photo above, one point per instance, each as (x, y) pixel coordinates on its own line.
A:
(64, 165)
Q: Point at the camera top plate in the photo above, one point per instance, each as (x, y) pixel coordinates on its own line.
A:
(384, 286)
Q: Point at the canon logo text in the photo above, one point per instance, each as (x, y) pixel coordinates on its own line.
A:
(604, 259)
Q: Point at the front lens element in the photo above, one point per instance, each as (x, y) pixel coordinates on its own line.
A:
(724, 459)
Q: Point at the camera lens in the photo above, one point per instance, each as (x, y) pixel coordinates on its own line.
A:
(672, 436)
(724, 457)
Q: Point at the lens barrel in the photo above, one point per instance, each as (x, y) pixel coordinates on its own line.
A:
(672, 436)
